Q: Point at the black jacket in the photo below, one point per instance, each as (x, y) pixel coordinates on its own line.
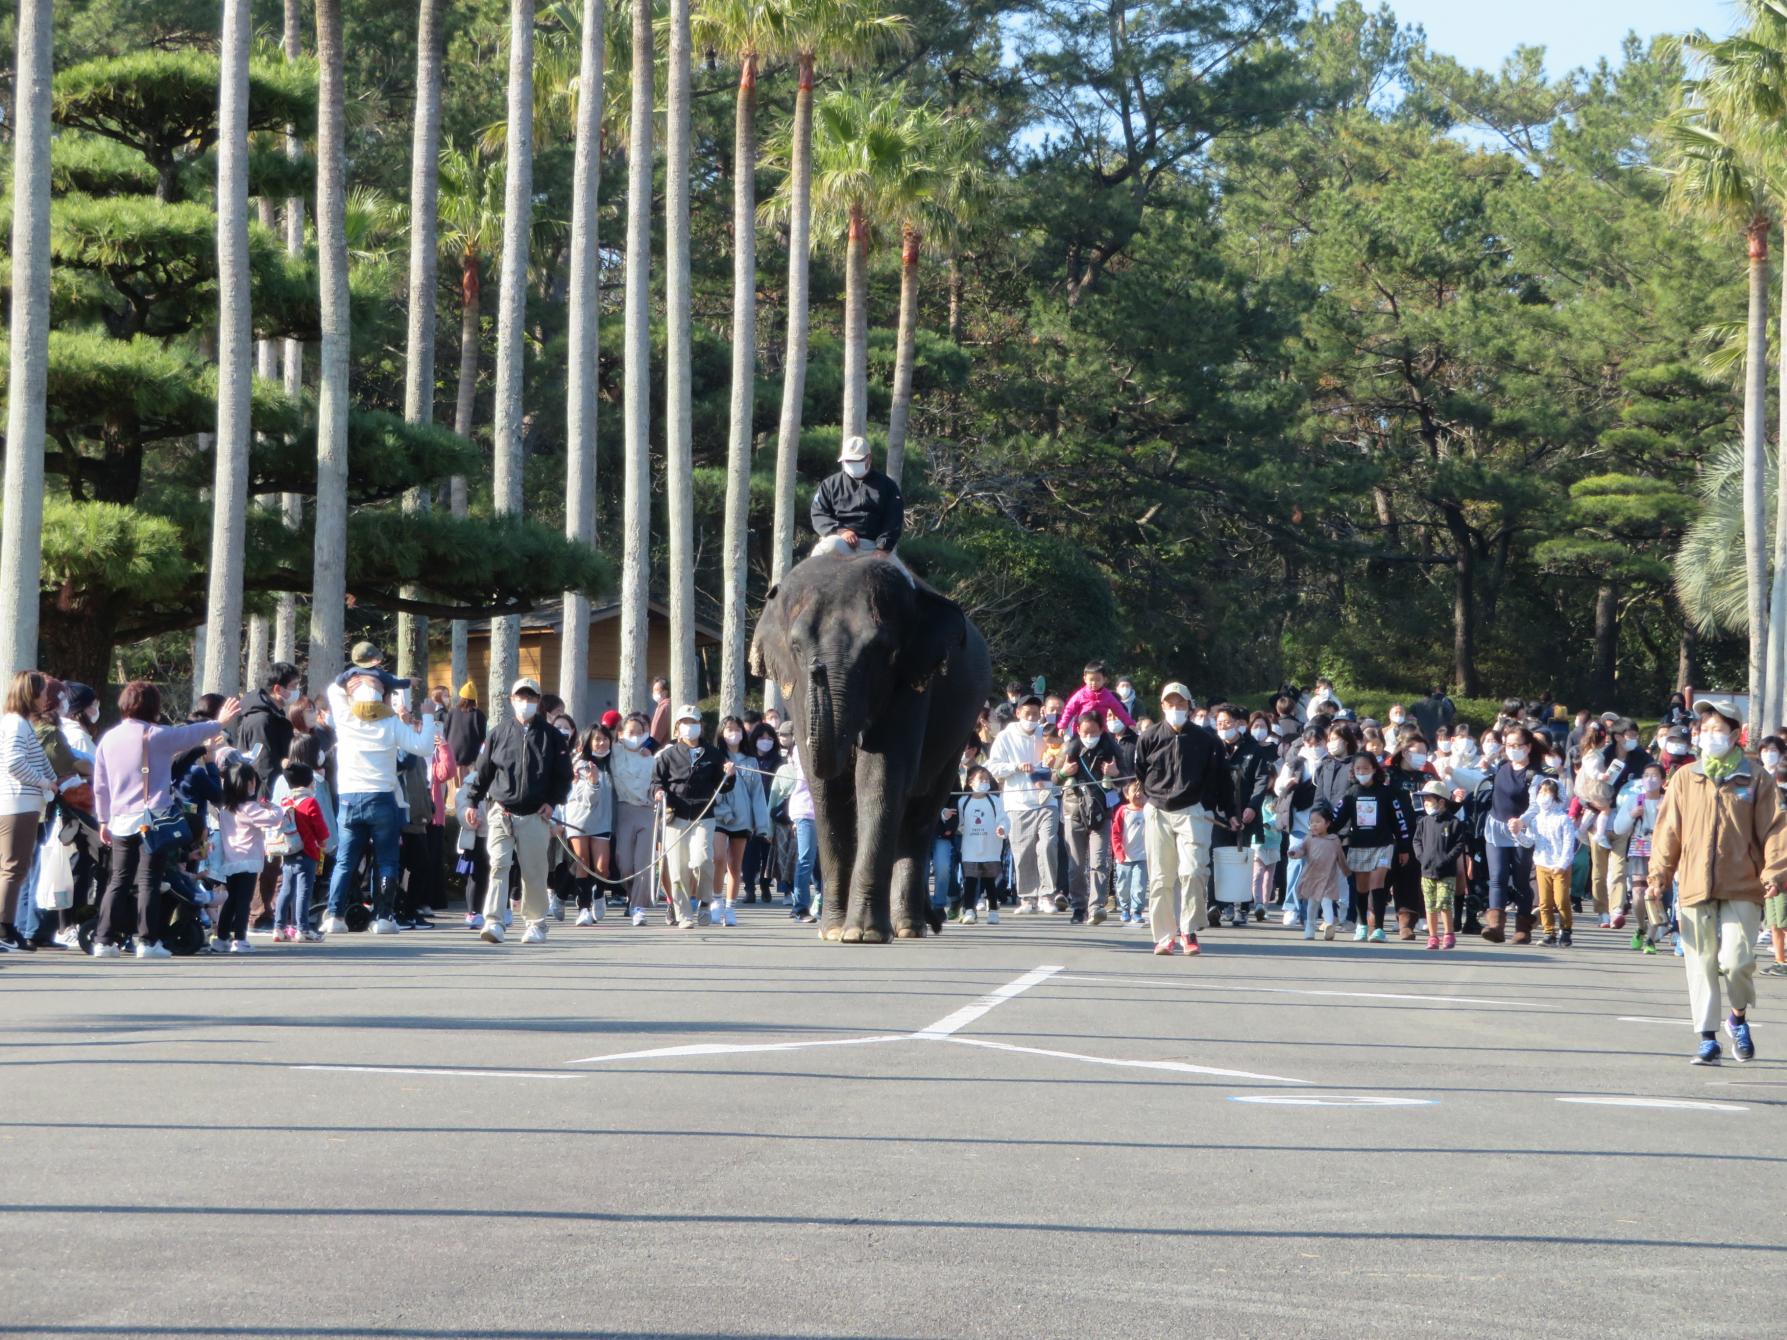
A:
(1440, 839)
(523, 768)
(465, 729)
(690, 777)
(1183, 768)
(1251, 768)
(1372, 816)
(870, 506)
(1082, 796)
(1333, 779)
(264, 723)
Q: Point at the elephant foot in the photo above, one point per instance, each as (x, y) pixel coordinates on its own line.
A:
(875, 935)
(851, 935)
(833, 933)
(909, 932)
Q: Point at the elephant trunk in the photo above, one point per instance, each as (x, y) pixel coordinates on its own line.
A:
(824, 752)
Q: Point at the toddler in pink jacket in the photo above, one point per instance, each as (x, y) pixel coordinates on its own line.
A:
(1093, 696)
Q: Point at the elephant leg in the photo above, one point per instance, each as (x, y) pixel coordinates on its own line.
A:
(834, 808)
(869, 918)
(912, 902)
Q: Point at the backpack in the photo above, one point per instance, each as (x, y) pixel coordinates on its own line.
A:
(287, 841)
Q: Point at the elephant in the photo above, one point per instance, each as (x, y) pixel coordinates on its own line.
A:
(883, 678)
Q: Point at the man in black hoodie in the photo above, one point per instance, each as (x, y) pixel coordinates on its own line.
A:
(264, 723)
(1188, 792)
(859, 509)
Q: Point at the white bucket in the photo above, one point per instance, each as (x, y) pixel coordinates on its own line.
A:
(1232, 874)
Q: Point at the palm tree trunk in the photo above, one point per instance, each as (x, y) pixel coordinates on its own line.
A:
(235, 361)
(1756, 466)
(794, 367)
(418, 368)
(679, 465)
(21, 542)
(632, 674)
(470, 293)
(266, 368)
(856, 326)
(328, 584)
(291, 505)
(744, 388)
(582, 379)
(1775, 680)
(901, 412)
(511, 314)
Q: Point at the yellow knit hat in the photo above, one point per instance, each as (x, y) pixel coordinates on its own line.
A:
(468, 692)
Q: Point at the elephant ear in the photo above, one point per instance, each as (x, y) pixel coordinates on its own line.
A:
(757, 666)
(939, 628)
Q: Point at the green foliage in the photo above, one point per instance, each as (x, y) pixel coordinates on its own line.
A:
(97, 547)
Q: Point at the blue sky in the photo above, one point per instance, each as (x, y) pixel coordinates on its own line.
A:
(1574, 32)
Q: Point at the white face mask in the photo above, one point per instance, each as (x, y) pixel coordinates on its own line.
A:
(1416, 759)
(1203, 719)
(1676, 747)
(1631, 742)
(1229, 734)
(367, 693)
(1087, 740)
(734, 738)
(92, 715)
(1028, 727)
(631, 741)
(1337, 748)
(765, 746)
(1517, 754)
(1310, 755)
(981, 786)
(524, 710)
(1653, 786)
(1396, 718)
(1362, 776)
(1715, 743)
(1177, 717)
(690, 731)
(1434, 806)
(1258, 733)
(1113, 724)
(1771, 759)
(1547, 804)
(1493, 749)
(856, 469)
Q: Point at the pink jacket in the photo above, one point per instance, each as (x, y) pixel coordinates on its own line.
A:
(441, 770)
(1088, 700)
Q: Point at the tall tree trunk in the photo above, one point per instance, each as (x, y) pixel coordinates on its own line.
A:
(1756, 466)
(266, 368)
(582, 375)
(291, 505)
(856, 326)
(1687, 667)
(744, 388)
(470, 291)
(511, 315)
(1464, 602)
(679, 464)
(235, 362)
(328, 587)
(1606, 644)
(418, 367)
(794, 366)
(21, 542)
(633, 675)
(904, 353)
(1772, 714)
(955, 297)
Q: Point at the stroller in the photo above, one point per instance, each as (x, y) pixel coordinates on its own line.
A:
(188, 921)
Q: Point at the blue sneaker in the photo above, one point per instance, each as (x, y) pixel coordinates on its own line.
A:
(1737, 1028)
(1709, 1052)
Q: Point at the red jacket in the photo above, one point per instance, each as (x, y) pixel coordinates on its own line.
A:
(313, 829)
(1119, 848)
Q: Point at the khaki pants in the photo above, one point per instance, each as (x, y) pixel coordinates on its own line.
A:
(1606, 878)
(1554, 899)
(688, 858)
(526, 840)
(1719, 940)
(633, 852)
(1178, 843)
(1034, 870)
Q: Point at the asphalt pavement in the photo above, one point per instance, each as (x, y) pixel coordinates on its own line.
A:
(1032, 1129)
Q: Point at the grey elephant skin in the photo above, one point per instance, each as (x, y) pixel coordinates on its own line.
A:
(884, 679)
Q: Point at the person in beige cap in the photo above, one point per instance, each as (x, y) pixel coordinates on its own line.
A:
(686, 777)
(523, 772)
(1722, 836)
(1188, 792)
(858, 510)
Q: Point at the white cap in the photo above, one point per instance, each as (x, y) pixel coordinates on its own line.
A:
(1178, 688)
(525, 685)
(688, 713)
(855, 449)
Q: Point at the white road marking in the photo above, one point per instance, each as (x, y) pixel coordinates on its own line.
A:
(1681, 1103)
(1647, 1019)
(464, 1074)
(1302, 991)
(955, 1023)
(1180, 1067)
(1331, 1100)
(735, 1048)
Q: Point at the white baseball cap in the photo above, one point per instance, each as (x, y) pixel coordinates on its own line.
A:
(855, 449)
(688, 713)
(525, 685)
(1178, 688)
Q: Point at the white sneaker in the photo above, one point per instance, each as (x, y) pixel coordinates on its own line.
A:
(492, 932)
(968, 918)
(1290, 918)
(68, 937)
(218, 945)
(555, 907)
(992, 916)
(154, 949)
(586, 918)
(384, 926)
(334, 926)
(704, 914)
(535, 934)
(241, 947)
(729, 917)
(639, 916)
(597, 908)
(105, 950)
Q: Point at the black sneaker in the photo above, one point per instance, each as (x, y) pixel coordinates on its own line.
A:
(1550, 941)
(1708, 1053)
(1564, 940)
(1078, 918)
(14, 941)
(1739, 1030)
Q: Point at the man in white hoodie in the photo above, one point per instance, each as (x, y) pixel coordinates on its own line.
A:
(368, 738)
(1028, 790)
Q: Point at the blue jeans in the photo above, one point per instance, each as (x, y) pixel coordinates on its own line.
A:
(806, 842)
(1510, 878)
(368, 818)
(943, 872)
(297, 887)
(1132, 887)
(1293, 870)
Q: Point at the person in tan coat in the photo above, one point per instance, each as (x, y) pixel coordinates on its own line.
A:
(1722, 836)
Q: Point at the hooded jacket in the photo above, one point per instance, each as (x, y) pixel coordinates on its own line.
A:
(264, 723)
(1719, 840)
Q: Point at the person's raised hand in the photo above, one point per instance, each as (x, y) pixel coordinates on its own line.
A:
(231, 709)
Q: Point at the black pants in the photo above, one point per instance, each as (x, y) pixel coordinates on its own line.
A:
(232, 922)
(758, 865)
(135, 881)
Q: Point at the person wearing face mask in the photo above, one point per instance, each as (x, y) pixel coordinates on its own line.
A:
(1027, 790)
(1554, 836)
(630, 770)
(1087, 769)
(369, 736)
(523, 774)
(1440, 842)
(1294, 790)
(797, 831)
(1188, 792)
(266, 725)
(765, 757)
(689, 778)
(1092, 696)
(1408, 771)
(1250, 767)
(1374, 823)
(858, 510)
(466, 728)
(1635, 819)
(740, 814)
(1510, 857)
(1722, 837)
(982, 827)
(589, 823)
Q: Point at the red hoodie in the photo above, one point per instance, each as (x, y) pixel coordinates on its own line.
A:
(313, 829)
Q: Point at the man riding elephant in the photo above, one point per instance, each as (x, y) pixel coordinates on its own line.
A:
(858, 510)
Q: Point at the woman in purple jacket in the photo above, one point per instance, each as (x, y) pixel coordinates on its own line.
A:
(132, 778)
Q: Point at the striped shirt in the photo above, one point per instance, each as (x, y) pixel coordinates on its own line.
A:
(26, 778)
